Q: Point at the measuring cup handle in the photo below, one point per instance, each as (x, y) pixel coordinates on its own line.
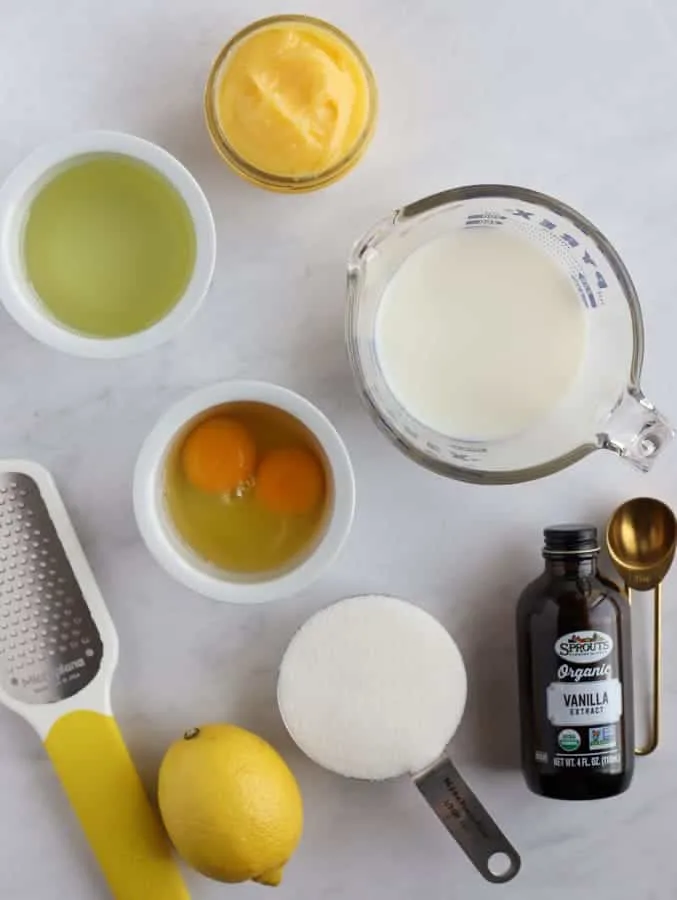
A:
(468, 822)
(636, 430)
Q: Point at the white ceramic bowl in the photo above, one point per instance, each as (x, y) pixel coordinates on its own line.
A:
(18, 191)
(178, 559)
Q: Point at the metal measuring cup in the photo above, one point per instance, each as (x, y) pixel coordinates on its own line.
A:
(309, 671)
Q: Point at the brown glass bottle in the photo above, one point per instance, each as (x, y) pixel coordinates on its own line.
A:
(575, 674)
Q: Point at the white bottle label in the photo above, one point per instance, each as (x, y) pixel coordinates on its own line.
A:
(585, 703)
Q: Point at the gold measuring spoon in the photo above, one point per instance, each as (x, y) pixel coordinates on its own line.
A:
(640, 538)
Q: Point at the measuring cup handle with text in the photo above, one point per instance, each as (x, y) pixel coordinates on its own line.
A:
(468, 822)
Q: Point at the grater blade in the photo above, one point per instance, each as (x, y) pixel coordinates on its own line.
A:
(50, 647)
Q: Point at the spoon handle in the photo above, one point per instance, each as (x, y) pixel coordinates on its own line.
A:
(468, 822)
(656, 666)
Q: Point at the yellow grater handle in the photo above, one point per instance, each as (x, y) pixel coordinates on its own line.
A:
(104, 788)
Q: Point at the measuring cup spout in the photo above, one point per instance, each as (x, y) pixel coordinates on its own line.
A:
(636, 430)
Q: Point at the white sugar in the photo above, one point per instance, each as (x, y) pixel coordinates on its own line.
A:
(372, 687)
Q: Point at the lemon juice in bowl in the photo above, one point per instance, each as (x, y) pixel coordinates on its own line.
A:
(108, 246)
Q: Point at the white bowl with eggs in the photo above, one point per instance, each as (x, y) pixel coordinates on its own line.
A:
(179, 559)
(25, 183)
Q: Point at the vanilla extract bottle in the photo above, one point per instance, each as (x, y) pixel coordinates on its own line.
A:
(575, 674)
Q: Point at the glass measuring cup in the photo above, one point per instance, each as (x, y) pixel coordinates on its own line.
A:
(605, 407)
(374, 688)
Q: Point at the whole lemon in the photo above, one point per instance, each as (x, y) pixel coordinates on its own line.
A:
(230, 804)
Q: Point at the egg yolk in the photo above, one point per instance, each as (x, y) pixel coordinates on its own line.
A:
(290, 481)
(218, 455)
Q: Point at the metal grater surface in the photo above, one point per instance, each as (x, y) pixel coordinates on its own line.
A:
(50, 647)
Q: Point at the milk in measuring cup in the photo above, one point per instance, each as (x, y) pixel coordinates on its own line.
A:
(480, 334)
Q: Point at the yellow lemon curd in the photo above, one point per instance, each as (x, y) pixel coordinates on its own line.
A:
(293, 98)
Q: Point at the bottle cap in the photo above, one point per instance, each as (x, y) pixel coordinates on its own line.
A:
(565, 539)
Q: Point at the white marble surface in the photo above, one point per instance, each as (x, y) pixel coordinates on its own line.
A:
(576, 99)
